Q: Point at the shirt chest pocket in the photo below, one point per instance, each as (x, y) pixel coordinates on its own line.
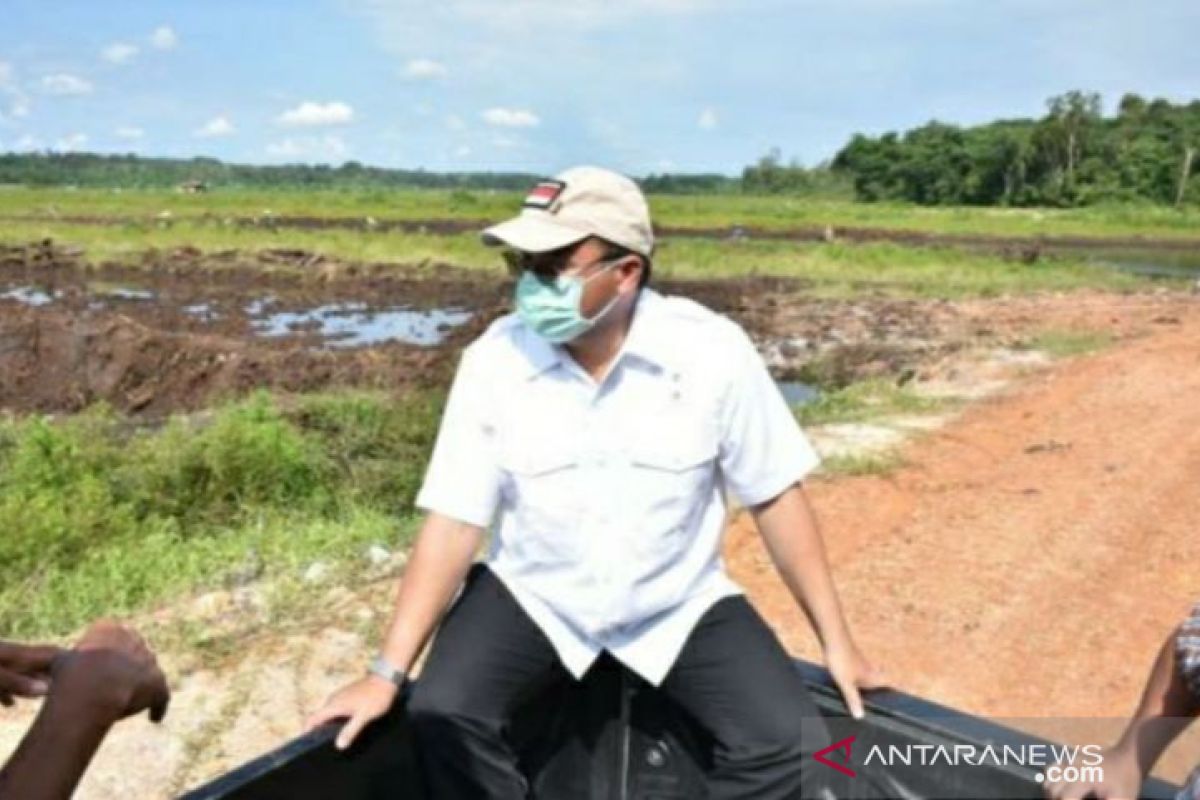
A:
(543, 494)
(671, 474)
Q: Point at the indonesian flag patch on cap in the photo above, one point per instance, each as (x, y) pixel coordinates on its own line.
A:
(544, 194)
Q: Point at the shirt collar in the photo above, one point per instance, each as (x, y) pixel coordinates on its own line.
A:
(647, 334)
(644, 340)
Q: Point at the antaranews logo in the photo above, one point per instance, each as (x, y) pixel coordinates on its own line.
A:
(1069, 763)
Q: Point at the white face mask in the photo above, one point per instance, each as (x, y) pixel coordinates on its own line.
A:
(552, 309)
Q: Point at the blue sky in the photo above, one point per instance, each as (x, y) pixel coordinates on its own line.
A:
(537, 85)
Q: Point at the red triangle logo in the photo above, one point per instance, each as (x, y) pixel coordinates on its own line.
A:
(844, 744)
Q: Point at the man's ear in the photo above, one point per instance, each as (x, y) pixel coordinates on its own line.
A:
(631, 267)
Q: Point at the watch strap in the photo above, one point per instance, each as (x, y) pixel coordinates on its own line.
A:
(385, 669)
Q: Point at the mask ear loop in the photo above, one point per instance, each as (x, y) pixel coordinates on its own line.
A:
(611, 303)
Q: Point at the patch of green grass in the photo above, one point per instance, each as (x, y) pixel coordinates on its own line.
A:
(100, 519)
(721, 211)
(862, 464)
(1067, 343)
(831, 270)
(130, 573)
(866, 400)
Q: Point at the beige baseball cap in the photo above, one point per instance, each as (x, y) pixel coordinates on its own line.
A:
(576, 204)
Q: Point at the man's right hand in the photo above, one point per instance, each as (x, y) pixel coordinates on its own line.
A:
(112, 670)
(359, 703)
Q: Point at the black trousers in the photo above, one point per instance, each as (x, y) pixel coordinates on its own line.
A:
(489, 658)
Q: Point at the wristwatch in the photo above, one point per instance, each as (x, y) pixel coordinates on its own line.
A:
(383, 668)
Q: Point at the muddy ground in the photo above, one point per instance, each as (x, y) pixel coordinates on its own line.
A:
(182, 329)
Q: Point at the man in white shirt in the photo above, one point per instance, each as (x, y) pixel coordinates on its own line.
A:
(596, 432)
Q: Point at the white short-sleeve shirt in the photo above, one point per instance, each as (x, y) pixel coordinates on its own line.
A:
(606, 500)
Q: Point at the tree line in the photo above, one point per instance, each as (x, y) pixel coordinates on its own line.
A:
(1074, 155)
(131, 171)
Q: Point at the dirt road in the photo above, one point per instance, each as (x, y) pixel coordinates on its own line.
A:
(1034, 554)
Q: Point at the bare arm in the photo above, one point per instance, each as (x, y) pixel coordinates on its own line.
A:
(443, 553)
(789, 529)
(111, 674)
(439, 562)
(59, 746)
(1165, 710)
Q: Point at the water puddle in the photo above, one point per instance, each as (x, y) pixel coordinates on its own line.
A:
(797, 393)
(356, 325)
(28, 295)
(201, 311)
(119, 292)
(1146, 263)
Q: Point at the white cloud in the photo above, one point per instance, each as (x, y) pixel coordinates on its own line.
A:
(424, 69)
(27, 142)
(309, 148)
(455, 123)
(310, 114)
(119, 53)
(217, 126)
(6, 73)
(129, 132)
(164, 38)
(64, 84)
(72, 142)
(19, 107)
(511, 118)
(462, 152)
(707, 120)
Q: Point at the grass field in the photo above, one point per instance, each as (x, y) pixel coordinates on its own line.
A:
(719, 211)
(835, 269)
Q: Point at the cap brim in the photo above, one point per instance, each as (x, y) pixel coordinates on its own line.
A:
(532, 234)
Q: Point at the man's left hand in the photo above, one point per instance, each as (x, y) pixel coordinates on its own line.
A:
(853, 674)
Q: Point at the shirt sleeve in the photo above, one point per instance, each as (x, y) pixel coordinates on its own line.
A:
(763, 451)
(462, 480)
(1187, 651)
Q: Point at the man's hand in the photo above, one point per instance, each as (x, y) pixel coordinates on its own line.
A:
(1122, 780)
(113, 671)
(110, 674)
(25, 670)
(359, 703)
(853, 673)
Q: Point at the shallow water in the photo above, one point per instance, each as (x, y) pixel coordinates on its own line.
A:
(29, 295)
(354, 325)
(1151, 263)
(797, 393)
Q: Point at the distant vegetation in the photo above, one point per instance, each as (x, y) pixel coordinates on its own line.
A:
(135, 172)
(1073, 156)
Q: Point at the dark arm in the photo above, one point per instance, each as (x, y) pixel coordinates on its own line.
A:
(110, 675)
(1167, 707)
